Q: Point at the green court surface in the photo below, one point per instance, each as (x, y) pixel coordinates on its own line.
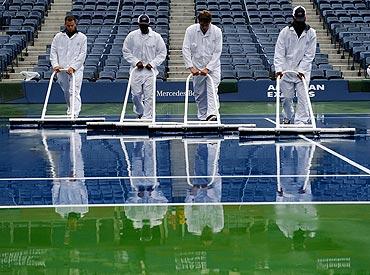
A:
(217, 239)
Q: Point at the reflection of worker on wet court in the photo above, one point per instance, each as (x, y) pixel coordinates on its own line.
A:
(69, 193)
(295, 164)
(205, 220)
(297, 222)
(72, 189)
(141, 158)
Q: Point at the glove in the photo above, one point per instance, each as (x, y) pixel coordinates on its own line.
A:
(300, 76)
(279, 74)
(194, 71)
(139, 65)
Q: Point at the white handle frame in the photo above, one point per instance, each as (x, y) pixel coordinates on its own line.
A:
(43, 114)
(187, 98)
(277, 118)
(123, 113)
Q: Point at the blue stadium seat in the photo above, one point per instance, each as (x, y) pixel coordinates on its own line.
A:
(333, 74)
(317, 74)
(245, 74)
(261, 74)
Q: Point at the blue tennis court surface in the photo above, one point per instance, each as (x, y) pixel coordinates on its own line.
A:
(69, 167)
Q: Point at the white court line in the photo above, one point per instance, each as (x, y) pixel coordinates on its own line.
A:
(188, 204)
(185, 177)
(270, 120)
(340, 117)
(349, 161)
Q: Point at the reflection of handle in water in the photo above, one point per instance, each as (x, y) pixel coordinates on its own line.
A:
(48, 154)
(214, 165)
(50, 158)
(278, 167)
(128, 162)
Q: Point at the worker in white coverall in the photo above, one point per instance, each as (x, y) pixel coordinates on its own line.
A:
(295, 50)
(68, 52)
(201, 51)
(145, 50)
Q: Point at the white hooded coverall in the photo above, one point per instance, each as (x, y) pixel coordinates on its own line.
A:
(149, 49)
(69, 52)
(204, 51)
(295, 53)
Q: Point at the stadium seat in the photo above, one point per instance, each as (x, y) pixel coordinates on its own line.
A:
(261, 74)
(317, 74)
(333, 74)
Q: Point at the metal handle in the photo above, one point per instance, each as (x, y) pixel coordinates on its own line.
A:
(278, 79)
(122, 117)
(43, 114)
(187, 98)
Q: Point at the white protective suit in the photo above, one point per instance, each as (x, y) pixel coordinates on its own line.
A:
(200, 216)
(297, 54)
(69, 52)
(149, 49)
(204, 51)
(70, 191)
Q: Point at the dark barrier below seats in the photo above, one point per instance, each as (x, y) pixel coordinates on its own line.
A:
(10, 92)
(247, 90)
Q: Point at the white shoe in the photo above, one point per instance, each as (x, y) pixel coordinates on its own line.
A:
(68, 111)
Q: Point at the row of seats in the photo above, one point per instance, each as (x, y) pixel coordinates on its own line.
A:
(249, 30)
(25, 19)
(10, 47)
(347, 21)
(240, 46)
(20, 20)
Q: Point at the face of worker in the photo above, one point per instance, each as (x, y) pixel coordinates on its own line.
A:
(204, 26)
(300, 19)
(70, 26)
(144, 28)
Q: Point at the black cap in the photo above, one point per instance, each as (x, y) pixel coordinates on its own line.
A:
(299, 13)
(143, 19)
